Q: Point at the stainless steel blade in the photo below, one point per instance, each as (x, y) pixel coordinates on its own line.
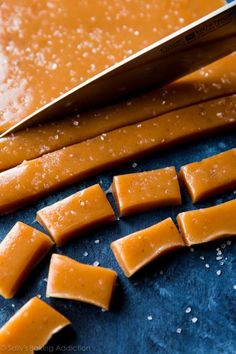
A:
(183, 52)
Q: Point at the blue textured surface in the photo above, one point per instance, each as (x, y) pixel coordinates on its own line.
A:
(185, 280)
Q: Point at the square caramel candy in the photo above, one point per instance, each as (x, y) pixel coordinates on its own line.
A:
(76, 214)
(20, 251)
(211, 176)
(140, 248)
(142, 191)
(209, 224)
(69, 279)
(31, 327)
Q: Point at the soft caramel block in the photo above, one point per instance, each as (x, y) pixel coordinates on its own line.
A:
(140, 248)
(20, 251)
(69, 279)
(214, 175)
(35, 178)
(76, 214)
(98, 33)
(209, 224)
(136, 192)
(205, 84)
(31, 327)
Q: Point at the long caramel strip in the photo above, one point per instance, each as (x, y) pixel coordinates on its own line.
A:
(205, 84)
(33, 179)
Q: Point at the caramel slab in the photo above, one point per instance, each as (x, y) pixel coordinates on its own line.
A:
(38, 40)
(211, 176)
(69, 279)
(140, 248)
(209, 224)
(31, 327)
(136, 192)
(206, 84)
(33, 179)
(76, 214)
(20, 251)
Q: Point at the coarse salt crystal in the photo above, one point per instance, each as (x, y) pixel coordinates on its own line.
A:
(188, 310)
(219, 258)
(194, 319)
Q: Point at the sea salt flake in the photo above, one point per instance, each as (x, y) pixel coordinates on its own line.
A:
(194, 319)
(188, 310)
(178, 330)
(218, 272)
(96, 264)
(85, 254)
(149, 317)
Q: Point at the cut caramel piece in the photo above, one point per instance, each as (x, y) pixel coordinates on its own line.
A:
(204, 225)
(69, 279)
(140, 248)
(76, 214)
(214, 175)
(20, 251)
(31, 327)
(136, 192)
(33, 179)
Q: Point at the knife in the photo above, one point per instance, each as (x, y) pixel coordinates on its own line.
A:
(188, 49)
